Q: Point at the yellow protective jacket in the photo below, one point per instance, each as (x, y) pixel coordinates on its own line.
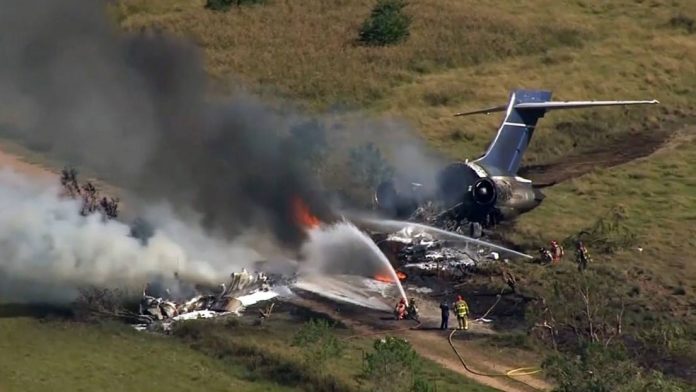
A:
(461, 308)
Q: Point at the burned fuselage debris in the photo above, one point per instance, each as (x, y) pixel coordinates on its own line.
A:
(420, 252)
(160, 308)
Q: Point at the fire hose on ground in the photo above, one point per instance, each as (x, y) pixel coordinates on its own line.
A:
(523, 371)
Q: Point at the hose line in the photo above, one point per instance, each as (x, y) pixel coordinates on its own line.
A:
(523, 371)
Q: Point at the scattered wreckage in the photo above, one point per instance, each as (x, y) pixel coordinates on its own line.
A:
(414, 249)
(158, 311)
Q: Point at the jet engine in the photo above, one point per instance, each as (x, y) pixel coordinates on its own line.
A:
(467, 191)
(484, 192)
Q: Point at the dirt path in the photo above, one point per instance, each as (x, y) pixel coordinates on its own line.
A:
(11, 161)
(612, 154)
(431, 343)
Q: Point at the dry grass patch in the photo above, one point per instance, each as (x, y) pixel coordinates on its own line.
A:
(308, 49)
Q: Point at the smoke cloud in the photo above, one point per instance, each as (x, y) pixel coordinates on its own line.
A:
(49, 250)
(133, 109)
(216, 178)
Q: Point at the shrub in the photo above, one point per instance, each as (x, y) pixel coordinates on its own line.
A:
(386, 25)
(142, 230)
(369, 166)
(225, 5)
(92, 201)
(608, 234)
(392, 365)
(309, 144)
(581, 309)
(663, 339)
(95, 304)
(597, 368)
(423, 385)
(318, 343)
(682, 21)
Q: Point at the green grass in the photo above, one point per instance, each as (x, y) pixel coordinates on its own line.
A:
(40, 352)
(659, 196)
(66, 356)
(461, 54)
(308, 50)
(267, 353)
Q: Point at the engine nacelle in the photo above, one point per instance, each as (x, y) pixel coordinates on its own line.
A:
(468, 189)
(484, 192)
(469, 192)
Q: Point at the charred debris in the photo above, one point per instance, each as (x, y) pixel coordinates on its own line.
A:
(417, 255)
(163, 301)
(159, 307)
(416, 251)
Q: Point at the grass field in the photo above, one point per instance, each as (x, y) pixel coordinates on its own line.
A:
(462, 54)
(269, 354)
(65, 356)
(468, 54)
(51, 353)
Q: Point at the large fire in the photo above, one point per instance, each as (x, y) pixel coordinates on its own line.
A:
(302, 214)
(386, 278)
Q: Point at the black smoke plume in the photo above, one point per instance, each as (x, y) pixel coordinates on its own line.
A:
(133, 108)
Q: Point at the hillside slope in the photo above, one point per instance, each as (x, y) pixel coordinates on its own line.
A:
(466, 54)
(469, 54)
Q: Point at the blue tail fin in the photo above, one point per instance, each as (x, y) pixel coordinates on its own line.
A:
(522, 113)
(506, 151)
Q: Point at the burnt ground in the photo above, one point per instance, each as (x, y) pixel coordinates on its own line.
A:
(617, 152)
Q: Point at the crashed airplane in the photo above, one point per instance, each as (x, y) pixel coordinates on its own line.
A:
(488, 190)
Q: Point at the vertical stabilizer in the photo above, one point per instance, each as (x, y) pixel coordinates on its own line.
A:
(506, 151)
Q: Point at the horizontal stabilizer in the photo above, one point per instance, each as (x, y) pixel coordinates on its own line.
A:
(557, 105)
(484, 111)
(522, 112)
(578, 104)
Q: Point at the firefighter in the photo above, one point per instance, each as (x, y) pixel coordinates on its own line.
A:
(545, 255)
(444, 309)
(461, 309)
(412, 310)
(582, 256)
(400, 309)
(557, 252)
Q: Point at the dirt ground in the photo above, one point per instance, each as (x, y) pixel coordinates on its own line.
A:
(10, 161)
(613, 154)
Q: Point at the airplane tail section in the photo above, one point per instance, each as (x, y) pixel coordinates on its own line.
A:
(523, 111)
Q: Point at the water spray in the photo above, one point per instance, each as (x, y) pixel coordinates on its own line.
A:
(398, 225)
(342, 249)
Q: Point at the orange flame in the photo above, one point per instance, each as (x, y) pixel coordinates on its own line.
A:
(386, 278)
(302, 214)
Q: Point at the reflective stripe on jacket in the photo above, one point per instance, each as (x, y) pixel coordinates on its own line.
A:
(461, 308)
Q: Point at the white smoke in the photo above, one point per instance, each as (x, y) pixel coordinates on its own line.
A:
(48, 250)
(339, 262)
(342, 249)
